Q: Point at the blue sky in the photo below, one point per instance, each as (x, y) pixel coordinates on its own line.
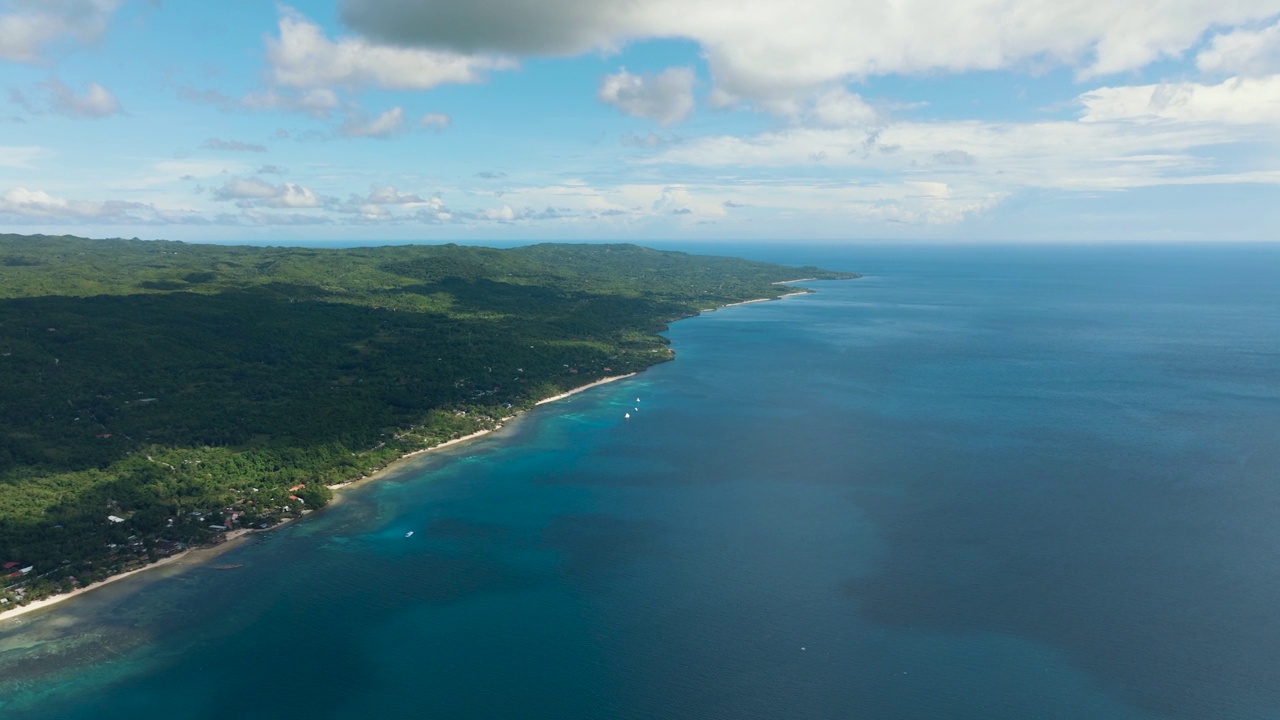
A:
(354, 120)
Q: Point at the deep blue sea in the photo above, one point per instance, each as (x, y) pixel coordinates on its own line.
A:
(979, 483)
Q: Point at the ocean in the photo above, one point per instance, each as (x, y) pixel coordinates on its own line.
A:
(980, 482)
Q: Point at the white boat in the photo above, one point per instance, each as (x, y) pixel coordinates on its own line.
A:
(409, 534)
(627, 416)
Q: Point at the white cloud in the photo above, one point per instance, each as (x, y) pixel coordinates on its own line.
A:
(677, 200)
(27, 27)
(983, 159)
(19, 157)
(383, 125)
(375, 205)
(837, 107)
(254, 192)
(1243, 52)
(648, 140)
(440, 121)
(771, 50)
(95, 102)
(214, 143)
(316, 102)
(1239, 100)
(167, 170)
(38, 204)
(259, 217)
(303, 57)
(389, 195)
(666, 97)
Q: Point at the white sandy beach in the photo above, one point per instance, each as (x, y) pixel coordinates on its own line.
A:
(588, 386)
(760, 300)
(202, 554)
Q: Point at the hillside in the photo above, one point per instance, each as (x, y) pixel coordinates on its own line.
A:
(182, 388)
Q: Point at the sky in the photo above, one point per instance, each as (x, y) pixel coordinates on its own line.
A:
(843, 120)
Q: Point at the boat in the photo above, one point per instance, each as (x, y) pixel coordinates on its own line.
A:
(409, 534)
(627, 416)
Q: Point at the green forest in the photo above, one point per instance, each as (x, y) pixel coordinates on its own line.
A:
(155, 394)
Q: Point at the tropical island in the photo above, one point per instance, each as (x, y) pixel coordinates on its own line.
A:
(162, 395)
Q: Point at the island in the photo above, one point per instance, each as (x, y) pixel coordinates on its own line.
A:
(162, 395)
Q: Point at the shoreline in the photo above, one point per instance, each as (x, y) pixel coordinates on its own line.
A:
(212, 551)
(189, 554)
(760, 300)
(582, 388)
(393, 465)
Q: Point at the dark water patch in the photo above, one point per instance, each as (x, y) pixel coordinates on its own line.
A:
(1150, 580)
(595, 548)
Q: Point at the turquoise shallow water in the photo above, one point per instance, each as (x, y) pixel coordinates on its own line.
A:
(986, 483)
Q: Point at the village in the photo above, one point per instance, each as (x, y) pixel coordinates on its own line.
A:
(22, 583)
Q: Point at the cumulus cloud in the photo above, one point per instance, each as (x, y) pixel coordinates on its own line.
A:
(377, 205)
(826, 41)
(316, 102)
(507, 215)
(95, 102)
(383, 125)
(1244, 52)
(666, 97)
(303, 57)
(27, 27)
(837, 107)
(254, 192)
(389, 195)
(1238, 100)
(214, 143)
(677, 200)
(38, 204)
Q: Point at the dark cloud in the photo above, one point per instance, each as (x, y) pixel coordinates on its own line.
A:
(507, 26)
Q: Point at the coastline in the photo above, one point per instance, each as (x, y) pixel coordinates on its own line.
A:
(588, 386)
(201, 554)
(760, 300)
(208, 552)
(196, 555)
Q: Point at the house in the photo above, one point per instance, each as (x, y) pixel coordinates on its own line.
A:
(10, 565)
(115, 519)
